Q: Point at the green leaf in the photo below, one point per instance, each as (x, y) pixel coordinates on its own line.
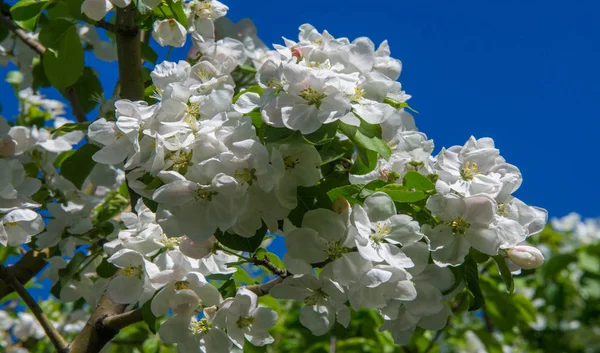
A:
(68, 272)
(401, 195)
(62, 157)
(274, 134)
(242, 277)
(178, 13)
(228, 288)
(398, 105)
(255, 89)
(349, 192)
(237, 242)
(417, 181)
(507, 277)
(151, 345)
(71, 127)
(151, 204)
(557, 263)
(63, 59)
(490, 342)
(256, 120)
(106, 269)
(525, 308)
(149, 54)
(366, 162)
(366, 136)
(323, 135)
(459, 275)
(88, 89)
(472, 279)
(149, 317)
(39, 75)
(78, 166)
(26, 13)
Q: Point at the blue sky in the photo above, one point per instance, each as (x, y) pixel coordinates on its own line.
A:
(525, 73)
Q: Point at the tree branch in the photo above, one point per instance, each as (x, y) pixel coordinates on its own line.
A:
(266, 263)
(264, 288)
(129, 52)
(120, 321)
(61, 345)
(22, 35)
(108, 318)
(25, 269)
(75, 106)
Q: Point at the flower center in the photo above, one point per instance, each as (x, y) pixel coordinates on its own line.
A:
(170, 243)
(290, 162)
(378, 235)
(246, 176)
(459, 226)
(335, 250)
(469, 170)
(204, 193)
(181, 285)
(244, 321)
(204, 75)
(181, 159)
(312, 96)
(314, 298)
(133, 271)
(358, 95)
(199, 326)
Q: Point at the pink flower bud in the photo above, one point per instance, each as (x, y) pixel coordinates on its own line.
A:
(525, 256)
(340, 205)
(296, 52)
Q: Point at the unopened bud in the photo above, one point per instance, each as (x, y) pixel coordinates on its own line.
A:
(340, 205)
(525, 256)
(297, 53)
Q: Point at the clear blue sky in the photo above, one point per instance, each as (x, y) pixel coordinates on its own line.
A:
(526, 73)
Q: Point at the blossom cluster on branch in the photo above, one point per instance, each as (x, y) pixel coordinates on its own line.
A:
(312, 141)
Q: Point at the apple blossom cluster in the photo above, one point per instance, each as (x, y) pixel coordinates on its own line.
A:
(211, 163)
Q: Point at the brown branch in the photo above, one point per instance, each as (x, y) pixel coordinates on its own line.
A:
(61, 345)
(75, 106)
(264, 288)
(22, 35)
(106, 26)
(108, 318)
(25, 269)
(120, 321)
(266, 263)
(129, 52)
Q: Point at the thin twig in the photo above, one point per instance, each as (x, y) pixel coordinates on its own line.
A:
(433, 341)
(264, 288)
(75, 106)
(270, 266)
(106, 25)
(22, 35)
(61, 345)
